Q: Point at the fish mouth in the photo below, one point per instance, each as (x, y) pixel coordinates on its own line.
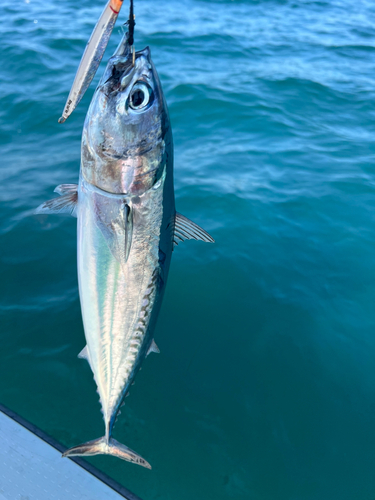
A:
(124, 50)
(120, 68)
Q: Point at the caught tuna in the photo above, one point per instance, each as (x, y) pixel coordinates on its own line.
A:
(127, 228)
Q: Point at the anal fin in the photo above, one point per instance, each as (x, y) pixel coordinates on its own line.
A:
(84, 354)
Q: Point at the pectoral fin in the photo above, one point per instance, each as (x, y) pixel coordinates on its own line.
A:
(65, 204)
(128, 215)
(114, 218)
(185, 229)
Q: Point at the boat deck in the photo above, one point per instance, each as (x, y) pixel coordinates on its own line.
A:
(31, 467)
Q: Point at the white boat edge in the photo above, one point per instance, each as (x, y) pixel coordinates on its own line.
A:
(12, 424)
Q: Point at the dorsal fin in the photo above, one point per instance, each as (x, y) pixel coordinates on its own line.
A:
(185, 229)
(153, 348)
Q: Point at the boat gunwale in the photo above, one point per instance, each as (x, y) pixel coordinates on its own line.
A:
(91, 469)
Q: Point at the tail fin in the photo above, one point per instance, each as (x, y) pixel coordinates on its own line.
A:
(102, 447)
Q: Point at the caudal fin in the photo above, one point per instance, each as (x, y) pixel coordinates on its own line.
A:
(101, 447)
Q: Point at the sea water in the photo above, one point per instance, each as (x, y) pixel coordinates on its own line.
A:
(265, 385)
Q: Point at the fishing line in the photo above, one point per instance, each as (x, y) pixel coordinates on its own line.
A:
(131, 24)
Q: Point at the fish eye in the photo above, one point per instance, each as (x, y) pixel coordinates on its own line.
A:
(140, 96)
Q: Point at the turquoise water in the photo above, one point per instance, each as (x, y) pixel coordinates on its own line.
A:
(265, 385)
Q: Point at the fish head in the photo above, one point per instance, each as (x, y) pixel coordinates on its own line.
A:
(127, 138)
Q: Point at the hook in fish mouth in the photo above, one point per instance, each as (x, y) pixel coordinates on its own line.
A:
(121, 71)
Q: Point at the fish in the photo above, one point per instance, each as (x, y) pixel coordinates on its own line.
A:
(127, 229)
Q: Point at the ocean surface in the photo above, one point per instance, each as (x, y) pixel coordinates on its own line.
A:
(265, 385)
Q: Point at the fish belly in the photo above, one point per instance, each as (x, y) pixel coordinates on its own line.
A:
(119, 290)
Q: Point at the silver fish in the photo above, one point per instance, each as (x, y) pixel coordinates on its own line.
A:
(127, 228)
